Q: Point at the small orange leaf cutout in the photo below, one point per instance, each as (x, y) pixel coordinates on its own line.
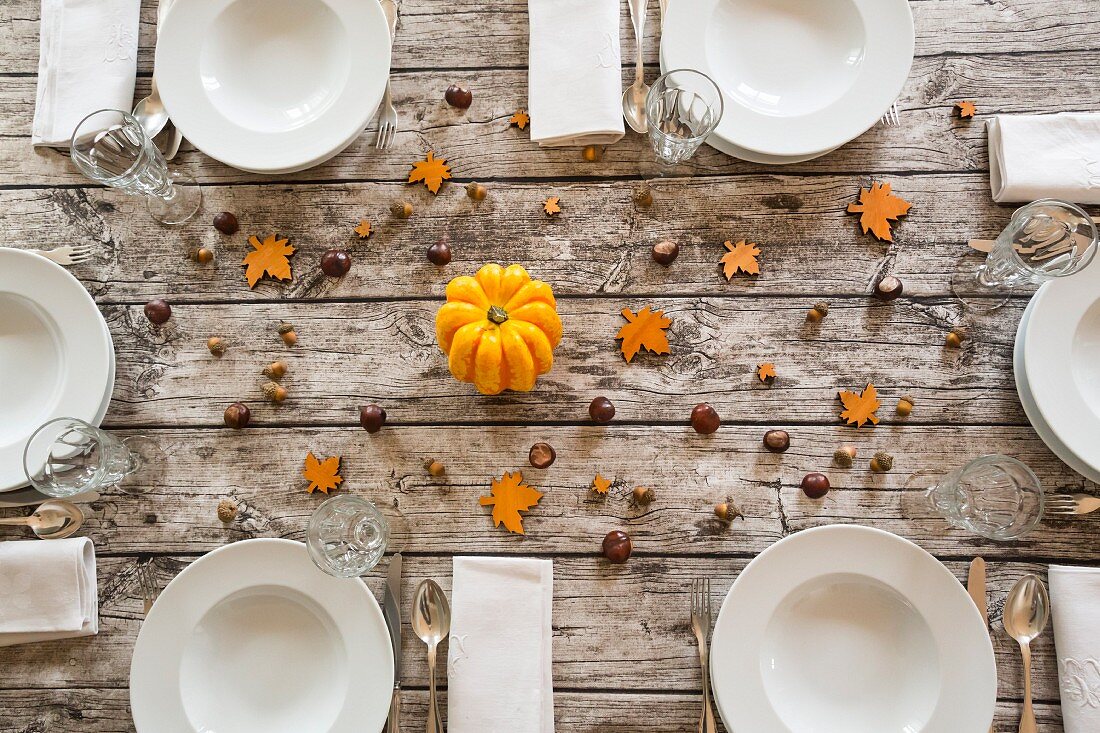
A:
(766, 371)
(363, 230)
(859, 407)
(877, 207)
(600, 484)
(520, 119)
(322, 475)
(551, 206)
(966, 109)
(741, 256)
(510, 496)
(645, 329)
(432, 171)
(270, 256)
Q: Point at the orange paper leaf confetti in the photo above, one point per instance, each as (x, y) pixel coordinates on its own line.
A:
(766, 372)
(520, 119)
(270, 256)
(859, 407)
(551, 206)
(322, 475)
(432, 171)
(646, 329)
(510, 497)
(966, 109)
(741, 257)
(600, 484)
(363, 230)
(877, 208)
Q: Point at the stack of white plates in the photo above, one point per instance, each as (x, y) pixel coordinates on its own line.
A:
(273, 86)
(799, 78)
(56, 355)
(1057, 365)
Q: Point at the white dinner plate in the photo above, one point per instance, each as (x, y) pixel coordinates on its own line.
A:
(1061, 360)
(798, 77)
(1027, 400)
(56, 357)
(849, 629)
(272, 86)
(253, 638)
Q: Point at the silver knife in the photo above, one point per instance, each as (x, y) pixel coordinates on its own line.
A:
(30, 496)
(391, 609)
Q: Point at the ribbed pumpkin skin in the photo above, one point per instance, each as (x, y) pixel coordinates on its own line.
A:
(506, 347)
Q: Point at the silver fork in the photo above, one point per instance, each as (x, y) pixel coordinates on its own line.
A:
(1067, 505)
(147, 581)
(700, 624)
(68, 254)
(387, 114)
(892, 118)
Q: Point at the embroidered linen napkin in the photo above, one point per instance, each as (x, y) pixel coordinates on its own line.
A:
(1075, 615)
(574, 83)
(87, 61)
(47, 590)
(1045, 156)
(500, 646)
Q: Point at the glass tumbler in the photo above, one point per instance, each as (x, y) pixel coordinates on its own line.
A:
(110, 147)
(67, 456)
(347, 536)
(994, 496)
(682, 108)
(1043, 240)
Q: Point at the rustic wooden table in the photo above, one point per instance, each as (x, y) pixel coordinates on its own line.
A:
(624, 657)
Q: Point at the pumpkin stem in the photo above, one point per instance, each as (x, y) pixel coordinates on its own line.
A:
(497, 315)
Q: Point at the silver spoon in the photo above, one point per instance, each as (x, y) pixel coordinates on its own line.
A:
(1026, 613)
(150, 112)
(431, 621)
(52, 520)
(635, 94)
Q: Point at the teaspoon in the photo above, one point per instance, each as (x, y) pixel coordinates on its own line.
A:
(52, 520)
(635, 94)
(1026, 613)
(431, 621)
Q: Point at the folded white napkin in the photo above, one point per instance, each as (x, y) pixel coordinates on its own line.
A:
(1045, 156)
(500, 655)
(574, 85)
(1075, 613)
(47, 590)
(87, 62)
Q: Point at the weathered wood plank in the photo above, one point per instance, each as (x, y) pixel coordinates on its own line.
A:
(480, 144)
(615, 627)
(106, 711)
(261, 470)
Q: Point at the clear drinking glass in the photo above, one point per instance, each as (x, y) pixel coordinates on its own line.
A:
(997, 497)
(682, 108)
(67, 456)
(110, 147)
(347, 536)
(1043, 240)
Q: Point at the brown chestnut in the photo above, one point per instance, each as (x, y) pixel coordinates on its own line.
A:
(815, 485)
(458, 96)
(439, 254)
(704, 418)
(372, 417)
(335, 262)
(237, 415)
(888, 288)
(777, 441)
(617, 546)
(158, 311)
(665, 252)
(542, 455)
(601, 410)
(226, 223)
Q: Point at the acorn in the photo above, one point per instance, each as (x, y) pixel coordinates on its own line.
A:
(592, 153)
(476, 191)
(202, 255)
(227, 511)
(434, 467)
(643, 197)
(665, 252)
(727, 512)
(905, 406)
(845, 456)
(882, 462)
(401, 209)
(216, 345)
(274, 392)
(955, 338)
(888, 288)
(287, 334)
(275, 370)
(643, 495)
(237, 415)
(819, 311)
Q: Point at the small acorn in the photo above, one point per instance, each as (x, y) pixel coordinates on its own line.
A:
(237, 415)
(287, 334)
(434, 467)
(888, 288)
(665, 252)
(227, 511)
(401, 209)
(905, 406)
(819, 311)
(202, 255)
(476, 191)
(845, 456)
(643, 197)
(643, 495)
(955, 338)
(592, 153)
(727, 511)
(275, 370)
(882, 462)
(216, 345)
(274, 392)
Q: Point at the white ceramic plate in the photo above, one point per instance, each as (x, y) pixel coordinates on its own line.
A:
(798, 77)
(272, 86)
(56, 358)
(1061, 360)
(848, 629)
(253, 638)
(1056, 446)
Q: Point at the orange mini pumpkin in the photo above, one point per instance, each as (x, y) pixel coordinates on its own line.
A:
(498, 329)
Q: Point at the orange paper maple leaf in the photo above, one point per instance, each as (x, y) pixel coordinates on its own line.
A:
(510, 497)
(966, 109)
(600, 484)
(645, 329)
(270, 256)
(859, 407)
(520, 119)
(877, 208)
(322, 475)
(741, 256)
(363, 230)
(432, 171)
(766, 371)
(551, 206)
